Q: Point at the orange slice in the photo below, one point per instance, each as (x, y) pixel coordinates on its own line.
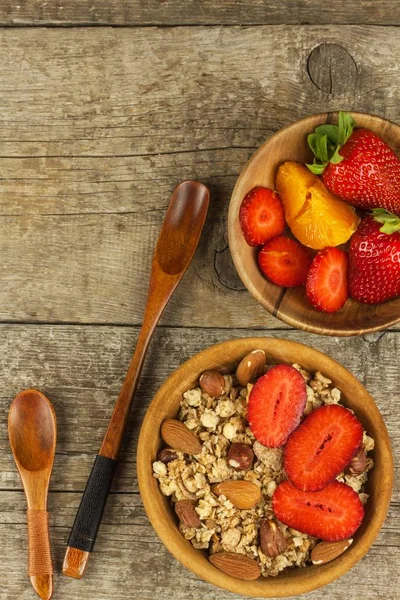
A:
(316, 217)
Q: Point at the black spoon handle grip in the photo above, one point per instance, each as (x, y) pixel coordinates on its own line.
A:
(88, 518)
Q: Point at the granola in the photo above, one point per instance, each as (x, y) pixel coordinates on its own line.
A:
(219, 422)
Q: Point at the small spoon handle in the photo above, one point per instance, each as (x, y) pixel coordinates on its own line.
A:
(40, 567)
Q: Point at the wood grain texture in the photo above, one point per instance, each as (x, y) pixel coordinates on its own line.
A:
(107, 92)
(173, 12)
(80, 369)
(97, 127)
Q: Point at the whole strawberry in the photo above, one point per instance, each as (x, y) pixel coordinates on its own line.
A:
(358, 166)
(374, 273)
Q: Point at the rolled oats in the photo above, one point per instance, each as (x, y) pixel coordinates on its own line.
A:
(218, 422)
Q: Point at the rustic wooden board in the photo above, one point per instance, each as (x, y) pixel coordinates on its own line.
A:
(105, 121)
(134, 91)
(81, 368)
(171, 12)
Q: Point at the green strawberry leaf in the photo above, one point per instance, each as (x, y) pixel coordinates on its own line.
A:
(327, 140)
(316, 168)
(331, 131)
(391, 222)
(336, 158)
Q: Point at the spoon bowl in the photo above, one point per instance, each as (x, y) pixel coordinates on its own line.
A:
(31, 425)
(182, 226)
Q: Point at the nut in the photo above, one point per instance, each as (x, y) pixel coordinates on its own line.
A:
(178, 436)
(240, 456)
(236, 565)
(251, 367)
(242, 494)
(166, 455)
(212, 383)
(324, 552)
(187, 514)
(358, 463)
(272, 540)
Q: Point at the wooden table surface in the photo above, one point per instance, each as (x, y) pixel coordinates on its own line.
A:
(105, 105)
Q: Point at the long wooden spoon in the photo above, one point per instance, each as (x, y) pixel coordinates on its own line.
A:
(32, 431)
(176, 245)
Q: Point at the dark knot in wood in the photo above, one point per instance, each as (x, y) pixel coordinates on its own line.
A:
(332, 69)
(225, 270)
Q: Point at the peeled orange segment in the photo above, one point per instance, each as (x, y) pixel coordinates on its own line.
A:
(316, 217)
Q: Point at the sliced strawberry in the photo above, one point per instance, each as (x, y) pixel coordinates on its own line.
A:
(322, 447)
(276, 403)
(327, 287)
(332, 514)
(284, 262)
(261, 216)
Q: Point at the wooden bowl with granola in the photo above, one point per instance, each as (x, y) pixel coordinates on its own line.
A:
(265, 467)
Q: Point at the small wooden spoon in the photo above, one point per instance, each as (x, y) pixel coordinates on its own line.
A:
(32, 431)
(176, 245)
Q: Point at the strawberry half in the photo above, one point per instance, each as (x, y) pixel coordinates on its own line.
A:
(332, 514)
(322, 447)
(374, 253)
(284, 262)
(276, 403)
(327, 285)
(358, 166)
(261, 216)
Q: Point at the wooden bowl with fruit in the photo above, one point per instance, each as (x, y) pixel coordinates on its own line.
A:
(313, 226)
(265, 467)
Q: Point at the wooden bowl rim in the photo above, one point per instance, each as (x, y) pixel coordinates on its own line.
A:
(294, 581)
(247, 281)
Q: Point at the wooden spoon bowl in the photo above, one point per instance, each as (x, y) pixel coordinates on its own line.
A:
(227, 355)
(291, 305)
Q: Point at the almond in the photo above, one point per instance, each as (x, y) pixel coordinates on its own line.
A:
(324, 552)
(251, 367)
(358, 463)
(212, 383)
(179, 437)
(240, 456)
(236, 565)
(272, 540)
(242, 494)
(187, 514)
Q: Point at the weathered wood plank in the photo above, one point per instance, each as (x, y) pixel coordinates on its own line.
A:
(81, 370)
(172, 12)
(104, 91)
(127, 184)
(128, 551)
(94, 268)
(179, 91)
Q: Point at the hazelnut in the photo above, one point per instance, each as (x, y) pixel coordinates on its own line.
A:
(166, 455)
(272, 540)
(212, 383)
(240, 456)
(187, 514)
(358, 463)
